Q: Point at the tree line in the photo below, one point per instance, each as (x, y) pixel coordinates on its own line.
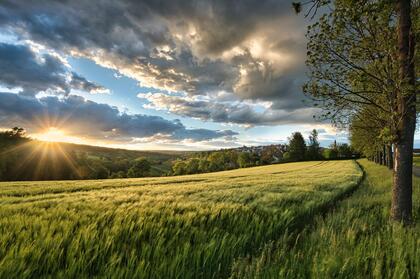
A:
(363, 70)
(296, 150)
(25, 159)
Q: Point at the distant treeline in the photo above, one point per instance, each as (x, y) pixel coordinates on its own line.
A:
(296, 150)
(24, 159)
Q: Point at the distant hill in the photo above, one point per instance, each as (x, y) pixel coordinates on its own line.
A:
(25, 159)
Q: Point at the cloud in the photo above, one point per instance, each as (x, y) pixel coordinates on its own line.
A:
(225, 112)
(35, 72)
(84, 118)
(252, 50)
(81, 83)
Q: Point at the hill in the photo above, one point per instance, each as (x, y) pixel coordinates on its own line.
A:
(26, 159)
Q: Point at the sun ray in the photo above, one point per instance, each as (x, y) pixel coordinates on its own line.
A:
(68, 160)
(28, 158)
(17, 148)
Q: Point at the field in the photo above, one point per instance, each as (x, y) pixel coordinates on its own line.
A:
(196, 226)
(416, 160)
(355, 240)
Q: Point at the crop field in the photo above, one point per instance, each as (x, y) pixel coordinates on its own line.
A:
(354, 240)
(197, 226)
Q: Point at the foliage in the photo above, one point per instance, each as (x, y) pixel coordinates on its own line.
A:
(297, 147)
(351, 60)
(314, 152)
(14, 133)
(139, 168)
(245, 157)
(245, 160)
(212, 161)
(168, 227)
(179, 167)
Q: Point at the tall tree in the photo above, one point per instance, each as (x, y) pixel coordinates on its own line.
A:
(313, 147)
(361, 55)
(297, 147)
(406, 111)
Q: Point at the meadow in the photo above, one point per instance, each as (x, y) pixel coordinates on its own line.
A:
(354, 240)
(416, 160)
(196, 226)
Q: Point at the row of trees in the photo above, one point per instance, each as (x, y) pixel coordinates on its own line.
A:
(362, 63)
(92, 167)
(296, 150)
(215, 161)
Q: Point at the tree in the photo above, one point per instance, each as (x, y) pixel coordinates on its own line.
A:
(313, 147)
(402, 191)
(344, 151)
(119, 174)
(217, 161)
(98, 171)
(361, 55)
(140, 168)
(179, 167)
(192, 166)
(331, 153)
(203, 165)
(245, 160)
(297, 147)
(370, 136)
(14, 133)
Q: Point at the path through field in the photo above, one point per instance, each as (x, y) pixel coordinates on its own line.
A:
(170, 227)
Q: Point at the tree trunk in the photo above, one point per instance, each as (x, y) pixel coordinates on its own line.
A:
(401, 208)
(383, 162)
(384, 155)
(389, 157)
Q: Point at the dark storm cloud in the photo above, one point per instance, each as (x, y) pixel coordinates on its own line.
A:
(21, 68)
(226, 112)
(81, 83)
(33, 72)
(85, 118)
(251, 49)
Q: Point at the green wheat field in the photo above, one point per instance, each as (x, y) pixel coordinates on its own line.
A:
(297, 220)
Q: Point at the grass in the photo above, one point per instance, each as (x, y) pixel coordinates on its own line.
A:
(416, 160)
(355, 240)
(196, 226)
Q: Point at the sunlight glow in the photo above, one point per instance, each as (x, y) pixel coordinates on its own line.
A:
(53, 134)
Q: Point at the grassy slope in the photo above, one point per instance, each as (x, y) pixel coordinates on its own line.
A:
(356, 240)
(171, 227)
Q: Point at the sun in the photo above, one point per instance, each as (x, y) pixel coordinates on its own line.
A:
(54, 134)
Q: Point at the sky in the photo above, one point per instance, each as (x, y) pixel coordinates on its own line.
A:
(186, 75)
